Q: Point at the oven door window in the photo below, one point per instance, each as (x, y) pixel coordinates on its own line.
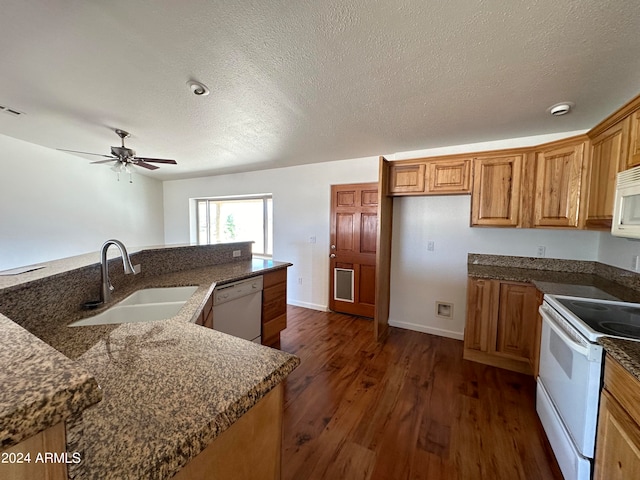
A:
(573, 384)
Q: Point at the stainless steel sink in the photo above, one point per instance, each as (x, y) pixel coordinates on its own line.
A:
(144, 305)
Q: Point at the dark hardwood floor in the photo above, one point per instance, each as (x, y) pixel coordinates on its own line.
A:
(409, 408)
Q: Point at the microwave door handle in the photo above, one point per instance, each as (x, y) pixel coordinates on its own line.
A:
(575, 346)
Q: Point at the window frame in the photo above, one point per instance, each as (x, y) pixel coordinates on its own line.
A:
(265, 197)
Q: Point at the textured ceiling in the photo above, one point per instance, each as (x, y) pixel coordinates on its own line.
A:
(296, 82)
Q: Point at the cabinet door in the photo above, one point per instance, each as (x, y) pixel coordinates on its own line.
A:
(618, 442)
(516, 323)
(479, 314)
(495, 199)
(559, 175)
(608, 157)
(407, 178)
(633, 157)
(448, 176)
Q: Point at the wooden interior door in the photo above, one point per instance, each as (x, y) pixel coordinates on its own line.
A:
(354, 227)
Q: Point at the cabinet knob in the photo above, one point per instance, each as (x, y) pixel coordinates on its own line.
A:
(333, 255)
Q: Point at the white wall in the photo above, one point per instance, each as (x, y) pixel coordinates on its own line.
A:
(55, 205)
(301, 199)
(618, 251)
(420, 277)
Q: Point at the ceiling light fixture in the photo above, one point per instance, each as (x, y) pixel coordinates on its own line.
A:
(199, 89)
(560, 109)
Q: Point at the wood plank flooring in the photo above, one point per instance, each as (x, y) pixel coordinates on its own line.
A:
(409, 408)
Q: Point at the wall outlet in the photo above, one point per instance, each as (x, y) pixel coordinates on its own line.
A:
(542, 250)
(312, 239)
(431, 246)
(237, 253)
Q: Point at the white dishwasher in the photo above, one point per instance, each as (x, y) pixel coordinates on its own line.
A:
(237, 309)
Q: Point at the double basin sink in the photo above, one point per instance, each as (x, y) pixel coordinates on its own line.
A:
(144, 305)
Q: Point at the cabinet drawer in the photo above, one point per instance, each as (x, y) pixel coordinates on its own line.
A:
(273, 327)
(274, 302)
(272, 278)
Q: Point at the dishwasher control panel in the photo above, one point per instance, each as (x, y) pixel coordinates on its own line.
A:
(231, 291)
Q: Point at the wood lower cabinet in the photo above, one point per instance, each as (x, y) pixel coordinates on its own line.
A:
(250, 449)
(495, 197)
(274, 307)
(608, 157)
(560, 179)
(52, 440)
(502, 319)
(618, 439)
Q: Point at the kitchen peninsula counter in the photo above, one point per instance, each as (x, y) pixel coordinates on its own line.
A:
(168, 387)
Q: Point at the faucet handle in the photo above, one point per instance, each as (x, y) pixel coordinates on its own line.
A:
(137, 269)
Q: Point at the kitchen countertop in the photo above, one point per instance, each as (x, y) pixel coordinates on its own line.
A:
(168, 387)
(579, 281)
(577, 284)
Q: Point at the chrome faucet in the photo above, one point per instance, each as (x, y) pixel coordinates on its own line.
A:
(107, 288)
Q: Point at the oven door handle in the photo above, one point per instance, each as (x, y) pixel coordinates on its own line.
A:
(583, 350)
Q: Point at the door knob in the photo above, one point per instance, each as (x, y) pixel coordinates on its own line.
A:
(333, 255)
(333, 247)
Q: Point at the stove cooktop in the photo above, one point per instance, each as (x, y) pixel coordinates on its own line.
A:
(617, 319)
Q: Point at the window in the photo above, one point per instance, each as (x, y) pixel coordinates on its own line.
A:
(236, 219)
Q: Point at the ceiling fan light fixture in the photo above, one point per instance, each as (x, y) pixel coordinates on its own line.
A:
(198, 89)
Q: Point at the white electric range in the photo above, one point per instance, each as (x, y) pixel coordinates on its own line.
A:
(570, 374)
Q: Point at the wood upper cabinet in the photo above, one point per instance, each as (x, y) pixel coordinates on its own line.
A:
(495, 198)
(609, 152)
(618, 441)
(560, 173)
(407, 178)
(633, 156)
(501, 324)
(430, 176)
(448, 176)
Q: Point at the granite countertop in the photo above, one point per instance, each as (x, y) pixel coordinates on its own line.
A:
(578, 284)
(168, 387)
(40, 386)
(626, 352)
(572, 278)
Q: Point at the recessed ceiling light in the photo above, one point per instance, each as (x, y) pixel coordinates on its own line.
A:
(560, 109)
(199, 89)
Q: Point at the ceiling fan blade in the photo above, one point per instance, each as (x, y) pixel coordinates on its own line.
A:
(156, 160)
(110, 159)
(84, 153)
(148, 166)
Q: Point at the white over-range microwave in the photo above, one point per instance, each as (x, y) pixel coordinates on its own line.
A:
(626, 209)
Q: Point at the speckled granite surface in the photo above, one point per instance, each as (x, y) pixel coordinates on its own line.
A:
(168, 387)
(582, 279)
(40, 386)
(626, 352)
(574, 278)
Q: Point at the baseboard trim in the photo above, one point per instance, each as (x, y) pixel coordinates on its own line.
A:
(312, 306)
(424, 329)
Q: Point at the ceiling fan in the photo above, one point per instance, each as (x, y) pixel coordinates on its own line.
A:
(124, 157)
